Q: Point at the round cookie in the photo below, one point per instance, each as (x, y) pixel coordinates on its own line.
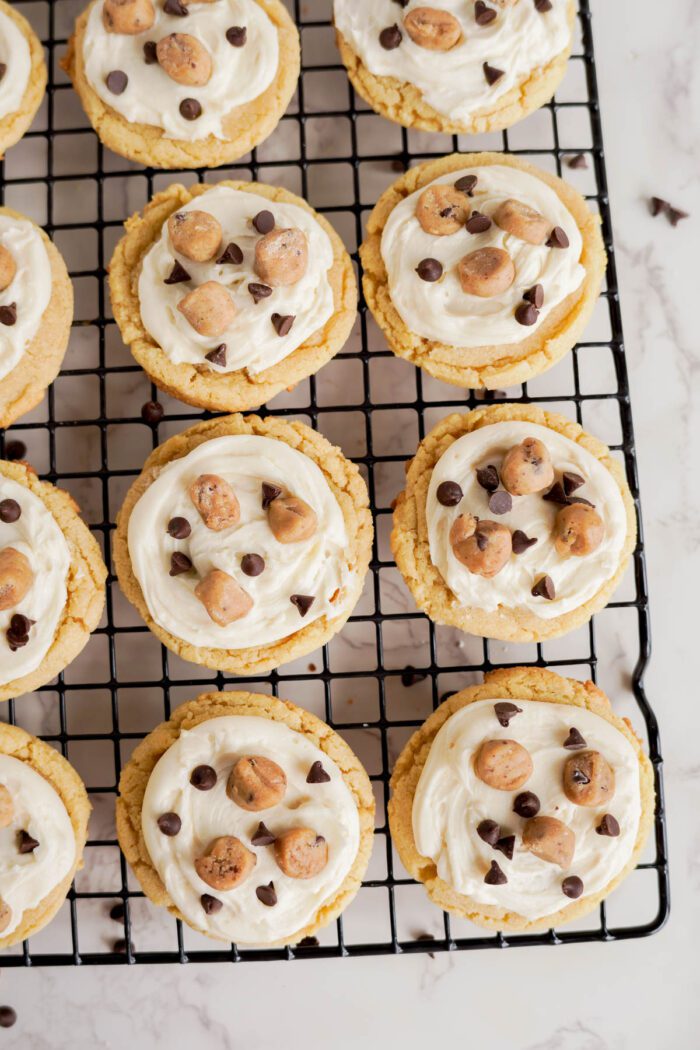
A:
(322, 301)
(438, 69)
(426, 318)
(36, 312)
(320, 781)
(52, 581)
(276, 542)
(171, 104)
(44, 819)
(515, 861)
(23, 81)
(454, 527)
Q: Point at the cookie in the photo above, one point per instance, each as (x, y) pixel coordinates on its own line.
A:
(44, 811)
(52, 581)
(244, 543)
(284, 294)
(22, 75)
(458, 69)
(514, 524)
(181, 85)
(521, 854)
(452, 294)
(257, 830)
(36, 312)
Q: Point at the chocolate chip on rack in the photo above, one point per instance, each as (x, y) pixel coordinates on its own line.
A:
(390, 38)
(483, 547)
(503, 764)
(237, 36)
(281, 257)
(26, 843)
(483, 15)
(211, 905)
(8, 314)
(262, 836)
(217, 356)
(16, 577)
(505, 712)
(226, 863)
(527, 468)
(215, 501)
(302, 602)
(478, 223)
(169, 824)
(301, 853)
(195, 234)
(576, 160)
(7, 807)
(152, 412)
(489, 831)
(521, 542)
(259, 291)
(15, 450)
(264, 221)
(495, 876)
(574, 741)
(223, 598)
(203, 778)
(550, 839)
(208, 308)
(572, 886)
(178, 274)
(432, 28)
(267, 895)
(544, 588)
(10, 511)
(282, 323)
(522, 221)
(185, 59)
(256, 783)
(190, 109)
(8, 268)
(442, 210)
(18, 632)
(429, 270)
(449, 493)
(291, 519)
(526, 804)
(492, 74)
(128, 16)
(578, 530)
(252, 564)
(317, 774)
(179, 564)
(486, 272)
(589, 780)
(608, 826)
(232, 253)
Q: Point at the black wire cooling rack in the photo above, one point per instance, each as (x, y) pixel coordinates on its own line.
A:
(389, 667)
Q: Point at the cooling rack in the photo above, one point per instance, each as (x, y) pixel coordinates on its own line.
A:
(390, 667)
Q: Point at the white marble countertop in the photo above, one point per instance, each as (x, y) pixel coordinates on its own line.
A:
(587, 997)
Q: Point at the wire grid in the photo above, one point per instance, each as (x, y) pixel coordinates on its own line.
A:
(89, 437)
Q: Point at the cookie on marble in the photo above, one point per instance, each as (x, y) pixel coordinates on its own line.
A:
(228, 294)
(22, 75)
(514, 524)
(481, 268)
(522, 803)
(175, 84)
(248, 818)
(52, 581)
(460, 68)
(44, 811)
(36, 312)
(245, 542)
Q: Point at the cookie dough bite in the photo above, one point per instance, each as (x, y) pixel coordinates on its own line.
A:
(36, 312)
(184, 85)
(481, 268)
(228, 294)
(244, 543)
(268, 847)
(22, 75)
(521, 852)
(514, 524)
(52, 581)
(458, 66)
(44, 812)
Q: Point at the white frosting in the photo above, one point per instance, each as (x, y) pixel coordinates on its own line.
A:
(239, 74)
(576, 579)
(27, 878)
(251, 340)
(518, 42)
(15, 54)
(450, 802)
(30, 287)
(37, 535)
(441, 310)
(317, 566)
(328, 808)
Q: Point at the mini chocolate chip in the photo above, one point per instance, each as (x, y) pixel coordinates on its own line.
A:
(556, 494)
(544, 588)
(259, 291)
(466, 184)
(449, 493)
(116, 81)
(500, 502)
(572, 886)
(608, 826)
(483, 15)
(117, 911)
(535, 295)
(543, 6)
(521, 542)
(174, 7)
(526, 314)
(8, 1016)
(170, 824)
(25, 843)
(177, 275)
(237, 36)
(231, 254)
(557, 239)
(8, 314)
(152, 412)
(505, 711)
(658, 204)
(488, 477)
(203, 778)
(190, 109)
(579, 777)
(264, 222)
(120, 947)
(429, 270)
(150, 55)
(494, 876)
(574, 741)
(266, 895)
(217, 356)
(179, 528)
(577, 160)
(210, 904)
(571, 482)
(489, 831)
(15, 450)
(303, 602)
(675, 215)
(409, 676)
(317, 774)
(526, 804)
(10, 511)
(282, 323)
(308, 942)
(492, 74)
(506, 845)
(478, 223)
(269, 492)
(390, 38)
(179, 563)
(263, 836)
(252, 564)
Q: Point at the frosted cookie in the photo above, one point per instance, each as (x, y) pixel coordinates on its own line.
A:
(459, 67)
(44, 812)
(52, 581)
(514, 524)
(36, 311)
(228, 294)
(523, 802)
(481, 268)
(248, 818)
(22, 75)
(245, 542)
(184, 84)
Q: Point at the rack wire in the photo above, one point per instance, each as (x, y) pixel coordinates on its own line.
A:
(390, 667)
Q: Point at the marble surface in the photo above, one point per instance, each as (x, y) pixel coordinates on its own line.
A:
(589, 997)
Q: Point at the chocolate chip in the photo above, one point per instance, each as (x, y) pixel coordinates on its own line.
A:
(466, 184)
(494, 876)
(174, 7)
(263, 836)
(303, 602)
(571, 482)
(492, 74)
(152, 412)
(308, 942)
(179, 563)
(409, 676)
(577, 160)
(264, 222)
(282, 323)
(579, 777)
(25, 842)
(269, 492)
(478, 223)
(429, 270)
(483, 15)
(170, 824)
(8, 1016)
(390, 38)
(543, 6)
(18, 631)
(120, 947)
(177, 275)
(482, 540)
(489, 831)
(237, 36)
(574, 741)
(658, 204)
(675, 215)
(449, 493)
(506, 845)
(15, 450)
(500, 502)
(317, 774)
(526, 804)
(203, 778)
(259, 291)
(266, 895)
(535, 295)
(521, 542)
(150, 55)
(572, 886)
(8, 314)
(179, 528)
(544, 588)
(117, 911)
(217, 356)
(526, 314)
(116, 81)
(210, 904)
(556, 494)
(190, 109)
(231, 254)
(252, 564)
(10, 511)
(505, 711)
(608, 826)
(557, 239)
(488, 477)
